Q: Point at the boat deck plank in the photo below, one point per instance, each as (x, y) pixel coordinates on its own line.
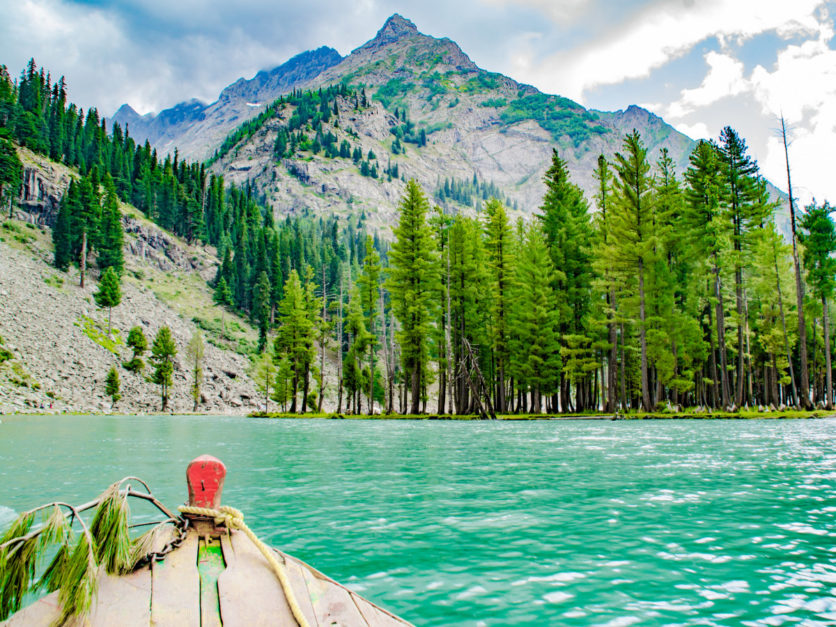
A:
(300, 589)
(175, 587)
(124, 600)
(250, 593)
(375, 616)
(44, 611)
(333, 604)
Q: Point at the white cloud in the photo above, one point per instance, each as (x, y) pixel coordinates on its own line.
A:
(699, 130)
(661, 32)
(724, 78)
(801, 85)
(560, 12)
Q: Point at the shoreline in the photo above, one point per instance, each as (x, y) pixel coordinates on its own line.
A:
(776, 415)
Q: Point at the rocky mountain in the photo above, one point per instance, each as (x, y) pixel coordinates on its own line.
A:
(476, 123)
(478, 131)
(196, 128)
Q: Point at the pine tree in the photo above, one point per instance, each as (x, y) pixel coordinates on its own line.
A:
(62, 237)
(707, 233)
(535, 345)
(263, 373)
(603, 175)
(469, 307)
(369, 285)
(109, 293)
(499, 247)
(564, 216)
(163, 351)
(740, 195)
(358, 341)
(11, 173)
(195, 350)
(294, 337)
(112, 386)
(818, 236)
(85, 223)
(631, 239)
(138, 343)
(223, 297)
(775, 335)
(111, 234)
(261, 308)
(411, 282)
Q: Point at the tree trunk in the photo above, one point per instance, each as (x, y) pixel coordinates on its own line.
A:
(712, 362)
(322, 348)
(784, 328)
(804, 391)
(828, 372)
(621, 369)
(721, 335)
(392, 362)
(776, 399)
(749, 377)
(741, 354)
(416, 389)
(646, 405)
(340, 352)
(613, 360)
(295, 388)
(83, 261)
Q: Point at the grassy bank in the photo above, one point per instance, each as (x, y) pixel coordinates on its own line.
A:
(742, 415)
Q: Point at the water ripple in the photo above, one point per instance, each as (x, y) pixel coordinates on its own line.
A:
(567, 523)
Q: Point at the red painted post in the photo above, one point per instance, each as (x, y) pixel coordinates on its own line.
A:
(205, 477)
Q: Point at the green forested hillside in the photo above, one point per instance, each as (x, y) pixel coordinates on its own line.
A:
(678, 290)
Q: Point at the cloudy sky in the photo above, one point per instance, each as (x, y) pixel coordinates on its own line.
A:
(700, 64)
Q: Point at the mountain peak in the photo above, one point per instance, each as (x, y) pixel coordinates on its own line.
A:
(395, 27)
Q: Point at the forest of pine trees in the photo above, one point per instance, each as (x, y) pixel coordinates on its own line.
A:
(665, 289)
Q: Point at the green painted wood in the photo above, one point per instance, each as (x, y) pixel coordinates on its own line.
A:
(210, 564)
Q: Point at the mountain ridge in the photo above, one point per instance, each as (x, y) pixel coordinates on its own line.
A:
(192, 122)
(480, 125)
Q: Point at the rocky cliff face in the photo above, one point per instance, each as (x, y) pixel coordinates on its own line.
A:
(196, 129)
(54, 347)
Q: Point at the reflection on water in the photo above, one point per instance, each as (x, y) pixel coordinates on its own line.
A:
(570, 523)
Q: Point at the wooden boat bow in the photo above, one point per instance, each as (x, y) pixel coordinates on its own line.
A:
(218, 574)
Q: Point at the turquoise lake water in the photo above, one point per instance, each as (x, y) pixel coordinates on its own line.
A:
(477, 523)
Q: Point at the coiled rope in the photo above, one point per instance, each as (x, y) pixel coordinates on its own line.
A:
(234, 519)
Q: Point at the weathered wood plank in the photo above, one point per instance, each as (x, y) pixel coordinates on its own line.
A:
(300, 588)
(375, 616)
(324, 580)
(250, 593)
(42, 612)
(123, 600)
(332, 603)
(175, 587)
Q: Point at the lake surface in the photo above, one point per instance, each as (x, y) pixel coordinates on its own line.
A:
(476, 523)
